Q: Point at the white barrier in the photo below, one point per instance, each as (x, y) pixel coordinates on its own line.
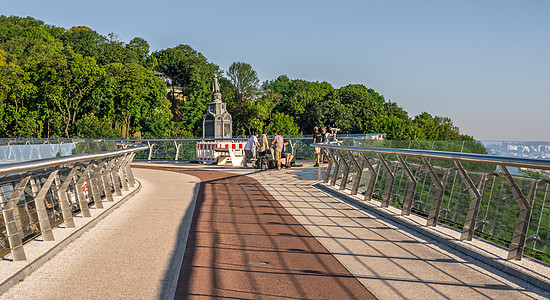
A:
(206, 153)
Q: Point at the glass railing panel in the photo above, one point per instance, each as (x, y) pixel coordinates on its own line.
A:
(27, 150)
(498, 210)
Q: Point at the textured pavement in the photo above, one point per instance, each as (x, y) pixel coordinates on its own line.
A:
(244, 245)
(390, 261)
(257, 235)
(131, 254)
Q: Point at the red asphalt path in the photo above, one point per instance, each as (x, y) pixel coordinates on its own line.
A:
(243, 245)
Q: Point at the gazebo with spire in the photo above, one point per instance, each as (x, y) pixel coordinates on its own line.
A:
(216, 122)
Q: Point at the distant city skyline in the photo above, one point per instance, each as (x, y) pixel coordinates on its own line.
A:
(484, 64)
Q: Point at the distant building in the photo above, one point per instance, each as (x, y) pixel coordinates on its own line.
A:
(160, 75)
(175, 93)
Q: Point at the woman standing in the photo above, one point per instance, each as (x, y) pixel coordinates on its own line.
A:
(264, 144)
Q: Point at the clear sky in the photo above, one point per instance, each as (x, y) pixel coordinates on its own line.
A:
(485, 64)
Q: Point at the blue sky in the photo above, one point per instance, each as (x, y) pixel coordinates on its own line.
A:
(485, 64)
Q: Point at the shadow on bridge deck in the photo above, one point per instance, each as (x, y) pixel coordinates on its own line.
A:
(269, 234)
(243, 244)
(241, 235)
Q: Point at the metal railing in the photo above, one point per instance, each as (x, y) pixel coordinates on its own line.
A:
(37, 195)
(20, 150)
(185, 148)
(475, 193)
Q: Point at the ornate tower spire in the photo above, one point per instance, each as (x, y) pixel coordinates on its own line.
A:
(216, 122)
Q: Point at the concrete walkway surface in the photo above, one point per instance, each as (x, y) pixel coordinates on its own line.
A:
(391, 262)
(132, 254)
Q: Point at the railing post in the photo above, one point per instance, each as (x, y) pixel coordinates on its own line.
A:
(525, 208)
(374, 174)
(386, 195)
(358, 174)
(16, 212)
(329, 166)
(433, 216)
(95, 181)
(123, 172)
(9, 208)
(115, 176)
(106, 176)
(345, 173)
(63, 200)
(129, 174)
(42, 212)
(82, 201)
(336, 168)
(475, 194)
(411, 189)
(151, 146)
(178, 146)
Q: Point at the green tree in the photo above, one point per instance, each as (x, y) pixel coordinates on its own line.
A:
(68, 84)
(352, 108)
(141, 48)
(284, 124)
(84, 41)
(115, 51)
(137, 93)
(300, 99)
(190, 70)
(437, 128)
(90, 126)
(57, 82)
(16, 106)
(245, 79)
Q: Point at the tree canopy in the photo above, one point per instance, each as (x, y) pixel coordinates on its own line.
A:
(57, 82)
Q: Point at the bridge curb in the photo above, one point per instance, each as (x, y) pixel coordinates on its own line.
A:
(541, 283)
(170, 286)
(19, 275)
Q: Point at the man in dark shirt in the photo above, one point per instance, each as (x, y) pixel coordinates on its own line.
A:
(317, 138)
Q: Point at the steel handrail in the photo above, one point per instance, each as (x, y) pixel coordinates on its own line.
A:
(104, 173)
(533, 163)
(213, 139)
(524, 199)
(20, 167)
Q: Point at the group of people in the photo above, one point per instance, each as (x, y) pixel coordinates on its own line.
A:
(278, 143)
(319, 137)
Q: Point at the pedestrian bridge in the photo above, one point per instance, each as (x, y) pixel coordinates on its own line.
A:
(190, 231)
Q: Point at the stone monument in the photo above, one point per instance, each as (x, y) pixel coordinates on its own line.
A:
(216, 122)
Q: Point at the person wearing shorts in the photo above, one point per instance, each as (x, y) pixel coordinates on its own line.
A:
(317, 138)
(286, 155)
(250, 144)
(326, 139)
(278, 143)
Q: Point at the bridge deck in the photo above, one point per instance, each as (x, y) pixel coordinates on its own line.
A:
(255, 241)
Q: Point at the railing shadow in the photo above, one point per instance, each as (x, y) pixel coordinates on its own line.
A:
(243, 244)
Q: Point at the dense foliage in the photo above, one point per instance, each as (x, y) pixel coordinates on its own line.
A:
(57, 82)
